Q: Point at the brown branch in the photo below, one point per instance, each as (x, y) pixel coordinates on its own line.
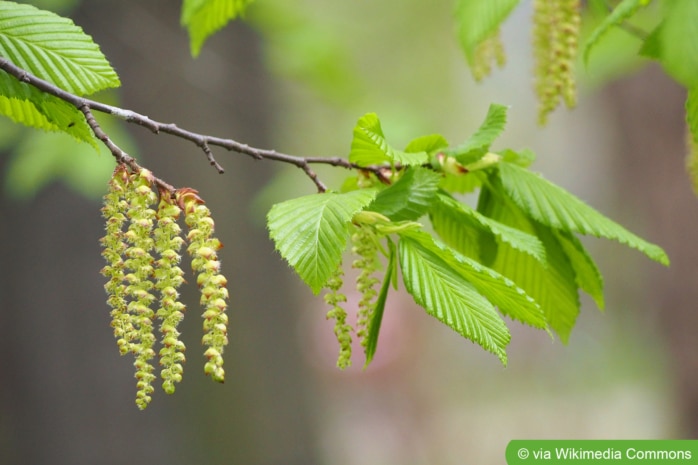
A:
(87, 106)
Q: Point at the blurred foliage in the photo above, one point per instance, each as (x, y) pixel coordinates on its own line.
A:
(39, 158)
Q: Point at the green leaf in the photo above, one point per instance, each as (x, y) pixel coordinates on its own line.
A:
(410, 197)
(377, 315)
(461, 227)
(479, 19)
(678, 41)
(428, 144)
(40, 158)
(464, 183)
(53, 48)
(27, 105)
(588, 276)
(499, 290)
(559, 209)
(479, 143)
(652, 46)
(311, 232)
(203, 18)
(622, 12)
(553, 285)
(369, 146)
(523, 157)
(447, 295)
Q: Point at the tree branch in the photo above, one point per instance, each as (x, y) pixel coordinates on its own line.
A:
(203, 141)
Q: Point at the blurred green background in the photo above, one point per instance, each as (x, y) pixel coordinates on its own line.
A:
(295, 77)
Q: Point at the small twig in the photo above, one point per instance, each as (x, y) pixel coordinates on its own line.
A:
(120, 156)
(87, 106)
(630, 28)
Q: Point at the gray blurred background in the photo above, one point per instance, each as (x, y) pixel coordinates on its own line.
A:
(67, 397)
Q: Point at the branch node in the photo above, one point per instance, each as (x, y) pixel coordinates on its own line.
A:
(209, 155)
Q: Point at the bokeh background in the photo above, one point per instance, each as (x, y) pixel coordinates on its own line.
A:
(295, 77)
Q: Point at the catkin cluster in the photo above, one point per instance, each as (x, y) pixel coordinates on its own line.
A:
(556, 26)
(364, 245)
(142, 248)
(334, 298)
(365, 248)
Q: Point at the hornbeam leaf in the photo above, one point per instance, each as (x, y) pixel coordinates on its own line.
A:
(427, 144)
(479, 19)
(460, 226)
(479, 143)
(553, 285)
(27, 105)
(53, 48)
(203, 18)
(559, 209)
(588, 276)
(499, 290)
(447, 295)
(623, 11)
(410, 197)
(369, 146)
(678, 41)
(311, 232)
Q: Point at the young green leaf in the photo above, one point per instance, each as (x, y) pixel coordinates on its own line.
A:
(479, 143)
(553, 284)
(203, 18)
(499, 290)
(622, 12)
(461, 226)
(678, 41)
(428, 144)
(311, 232)
(463, 183)
(589, 277)
(559, 209)
(479, 19)
(53, 48)
(369, 146)
(447, 295)
(41, 158)
(410, 197)
(27, 105)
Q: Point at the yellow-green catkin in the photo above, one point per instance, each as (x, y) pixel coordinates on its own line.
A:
(342, 330)
(556, 25)
(203, 247)
(114, 247)
(139, 286)
(168, 279)
(365, 246)
(487, 52)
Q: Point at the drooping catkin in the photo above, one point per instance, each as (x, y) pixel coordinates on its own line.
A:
(556, 25)
(342, 330)
(203, 247)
